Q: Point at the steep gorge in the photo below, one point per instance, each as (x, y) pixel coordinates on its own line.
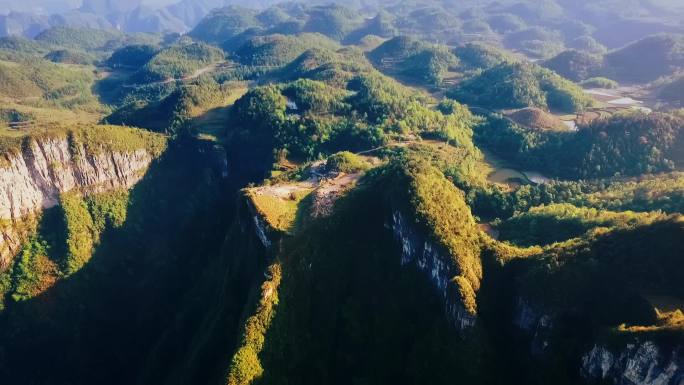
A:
(196, 288)
(137, 279)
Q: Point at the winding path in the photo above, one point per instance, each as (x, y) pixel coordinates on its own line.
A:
(194, 75)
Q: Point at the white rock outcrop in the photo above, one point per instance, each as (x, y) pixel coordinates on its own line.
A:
(640, 363)
(33, 179)
(430, 259)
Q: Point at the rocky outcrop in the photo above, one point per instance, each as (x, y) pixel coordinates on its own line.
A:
(33, 179)
(12, 236)
(432, 260)
(534, 323)
(639, 363)
(260, 228)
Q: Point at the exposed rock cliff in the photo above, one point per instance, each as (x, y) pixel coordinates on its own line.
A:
(433, 261)
(535, 323)
(260, 227)
(33, 178)
(642, 362)
(639, 363)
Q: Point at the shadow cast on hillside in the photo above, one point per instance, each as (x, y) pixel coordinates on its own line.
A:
(98, 325)
(349, 312)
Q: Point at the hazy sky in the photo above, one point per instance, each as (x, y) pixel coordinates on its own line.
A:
(51, 6)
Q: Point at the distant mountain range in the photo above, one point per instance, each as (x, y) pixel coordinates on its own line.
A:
(32, 17)
(607, 20)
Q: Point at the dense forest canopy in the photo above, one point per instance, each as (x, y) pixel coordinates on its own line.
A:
(519, 85)
(624, 144)
(341, 192)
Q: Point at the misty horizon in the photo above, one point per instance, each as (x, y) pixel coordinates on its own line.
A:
(56, 6)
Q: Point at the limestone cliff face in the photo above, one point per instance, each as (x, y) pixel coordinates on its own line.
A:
(258, 225)
(642, 362)
(432, 260)
(262, 231)
(33, 179)
(638, 363)
(534, 322)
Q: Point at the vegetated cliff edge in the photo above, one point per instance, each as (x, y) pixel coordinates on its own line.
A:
(627, 359)
(587, 307)
(446, 247)
(36, 169)
(391, 285)
(431, 259)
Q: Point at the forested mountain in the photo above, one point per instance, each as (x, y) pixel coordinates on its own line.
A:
(519, 85)
(538, 28)
(351, 192)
